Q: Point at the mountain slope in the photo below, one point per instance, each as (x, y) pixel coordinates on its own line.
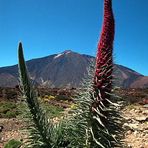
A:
(125, 76)
(64, 70)
(141, 82)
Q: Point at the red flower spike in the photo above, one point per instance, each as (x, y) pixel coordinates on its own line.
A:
(104, 60)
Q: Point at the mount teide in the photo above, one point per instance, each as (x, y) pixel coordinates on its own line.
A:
(67, 69)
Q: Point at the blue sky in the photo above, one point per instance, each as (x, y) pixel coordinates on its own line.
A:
(51, 26)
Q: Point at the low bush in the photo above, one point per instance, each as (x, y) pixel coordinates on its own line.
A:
(8, 109)
(53, 111)
(13, 144)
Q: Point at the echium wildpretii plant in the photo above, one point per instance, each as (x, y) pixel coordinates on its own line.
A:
(94, 121)
(102, 107)
(40, 129)
(42, 133)
(96, 117)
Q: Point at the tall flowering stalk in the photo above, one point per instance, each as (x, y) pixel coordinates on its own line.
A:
(104, 60)
(105, 118)
(39, 127)
(96, 118)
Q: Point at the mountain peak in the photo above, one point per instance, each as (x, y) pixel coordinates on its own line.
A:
(67, 51)
(63, 53)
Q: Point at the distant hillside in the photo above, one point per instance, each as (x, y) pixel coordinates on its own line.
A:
(141, 82)
(67, 70)
(125, 77)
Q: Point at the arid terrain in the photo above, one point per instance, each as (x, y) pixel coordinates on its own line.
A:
(134, 112)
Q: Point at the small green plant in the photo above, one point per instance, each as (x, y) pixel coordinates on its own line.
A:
(11, 114)
(53, 111)
(8, 109)
(13, 144)
(62, 98)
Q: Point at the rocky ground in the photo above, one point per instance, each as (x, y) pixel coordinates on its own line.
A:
(135, 125)
(12, 129)
(134, 112)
